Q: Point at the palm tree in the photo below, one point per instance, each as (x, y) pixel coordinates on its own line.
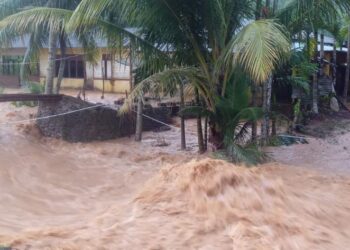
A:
(34, 21)
(50, 75)
(8, 8)
(343, 33)
(204, 43)
(209, 43)
(139, 119)
(347, 73)
(309, 15)
(201, 144)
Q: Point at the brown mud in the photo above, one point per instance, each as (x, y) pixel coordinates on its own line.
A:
(125, 195)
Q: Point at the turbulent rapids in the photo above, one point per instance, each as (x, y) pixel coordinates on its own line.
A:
(124, 195)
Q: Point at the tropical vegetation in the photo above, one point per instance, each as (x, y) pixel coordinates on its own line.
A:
(219, 51)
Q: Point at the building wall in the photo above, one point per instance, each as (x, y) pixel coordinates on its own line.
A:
(69, 83)
(12, 52)
(117, 80)
(116, 86)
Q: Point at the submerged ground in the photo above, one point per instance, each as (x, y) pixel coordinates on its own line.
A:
(125, 195)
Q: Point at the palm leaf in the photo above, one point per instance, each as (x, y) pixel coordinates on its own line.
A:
(257, 48)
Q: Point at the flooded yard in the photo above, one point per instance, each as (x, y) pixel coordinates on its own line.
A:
(120, 194)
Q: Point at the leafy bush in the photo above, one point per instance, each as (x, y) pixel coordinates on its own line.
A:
(36, 88)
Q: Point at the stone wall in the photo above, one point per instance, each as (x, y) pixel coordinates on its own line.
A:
(101, 123)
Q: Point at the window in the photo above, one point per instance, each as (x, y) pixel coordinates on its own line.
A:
(74, 67)
(11, 66)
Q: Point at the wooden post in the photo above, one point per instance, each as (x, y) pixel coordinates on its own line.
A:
(201, 146)
(131, 70)
(334, 64)
(315, 80)
(139, 120)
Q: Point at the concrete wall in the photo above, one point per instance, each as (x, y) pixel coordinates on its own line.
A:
(69, 83)
(116, 86)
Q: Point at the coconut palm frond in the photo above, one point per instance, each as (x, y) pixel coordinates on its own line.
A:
(29, 20)
(312, 15)
(89, 12)
(163, 83)
(36, 42)
(258, 47)
(251, 155)
(10, 7)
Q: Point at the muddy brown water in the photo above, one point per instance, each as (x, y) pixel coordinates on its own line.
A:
(124, 195)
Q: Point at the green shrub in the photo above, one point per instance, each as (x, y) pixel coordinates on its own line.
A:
(35, 88)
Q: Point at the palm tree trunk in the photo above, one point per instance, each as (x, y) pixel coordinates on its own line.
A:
(206, 133)
(334, 64)
(201, 146)
(265, 126)
(322, 47)
(85, 80)
(182, 105)
(254, 97)
(347, 73)
(314, 94)
(24, 66)
(113, 70)
(274, 126)
(52, 60)
(254, 104)
(268, 3)
(60, 74)
(274, 119)
(23, 73)
(131, 70)
(139, 120)
(258, 9)
(308, 45)
(315, 81)
(275, 6)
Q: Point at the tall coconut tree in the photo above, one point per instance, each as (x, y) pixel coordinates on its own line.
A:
(204, 43)
(210, 40)
(43, 29)
(8, 8)
(344, 34)
(347, 71)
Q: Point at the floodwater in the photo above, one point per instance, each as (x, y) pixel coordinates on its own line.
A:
(125, 195)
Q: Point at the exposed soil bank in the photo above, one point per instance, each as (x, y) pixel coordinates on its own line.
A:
(94, 122)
